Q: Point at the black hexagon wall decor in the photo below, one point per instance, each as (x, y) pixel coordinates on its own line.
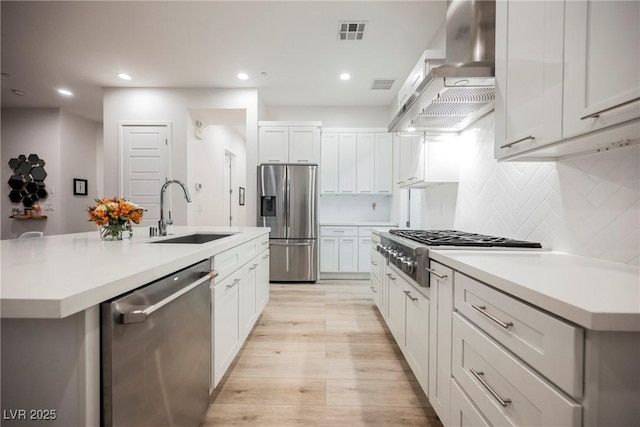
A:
(27, 183)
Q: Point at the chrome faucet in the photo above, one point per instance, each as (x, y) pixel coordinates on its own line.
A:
(162, 224)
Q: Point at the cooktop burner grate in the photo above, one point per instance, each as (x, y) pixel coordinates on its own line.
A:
(461, 238)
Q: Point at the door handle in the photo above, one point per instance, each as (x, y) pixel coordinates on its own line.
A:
(597, 113)
(138, 316)
(290, 244)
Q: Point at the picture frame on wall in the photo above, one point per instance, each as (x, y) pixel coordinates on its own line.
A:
(241, 196)
(80, 187)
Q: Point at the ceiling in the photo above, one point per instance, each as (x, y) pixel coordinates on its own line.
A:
(82, 46)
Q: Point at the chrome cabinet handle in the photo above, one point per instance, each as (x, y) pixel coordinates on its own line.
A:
(526, 138)
(137, 316)
(390, 276)
(482, 310)
(412, 178)
(253, 267)
(408, 293)
(435, 273)
(373, 289)
(266, 256)
(479, 375)
(597, 113)
(374, 263)
(235, 282)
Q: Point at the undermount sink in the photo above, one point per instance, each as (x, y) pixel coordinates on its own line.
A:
(194, 238)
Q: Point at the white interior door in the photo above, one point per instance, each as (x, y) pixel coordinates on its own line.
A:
(144, 167)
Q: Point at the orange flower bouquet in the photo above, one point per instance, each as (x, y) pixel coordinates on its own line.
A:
(115, 216)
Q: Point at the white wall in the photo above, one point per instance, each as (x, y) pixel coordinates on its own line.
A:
(172, 105)
(67, 143)
(332, 116)
(208, 159)
(587, 205)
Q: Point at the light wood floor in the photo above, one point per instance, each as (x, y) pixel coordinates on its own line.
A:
(320, 355)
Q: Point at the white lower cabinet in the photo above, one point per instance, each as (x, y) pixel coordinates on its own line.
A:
(238, 296)
(463, 412)
(344, 249)
(504, 389)
(364, 254)
(225, 342)
(441, 280)
(408, 321)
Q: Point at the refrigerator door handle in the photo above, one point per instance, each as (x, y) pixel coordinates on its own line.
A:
(289, 244)
(286, 203)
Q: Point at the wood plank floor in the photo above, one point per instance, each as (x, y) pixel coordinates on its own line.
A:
(320, 355)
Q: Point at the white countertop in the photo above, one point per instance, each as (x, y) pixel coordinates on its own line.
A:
(595, 294)
(57, 276)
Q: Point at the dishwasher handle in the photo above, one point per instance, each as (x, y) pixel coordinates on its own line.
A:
(138, 316)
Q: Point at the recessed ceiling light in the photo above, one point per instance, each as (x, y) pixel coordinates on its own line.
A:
(243, 76)
(65, 92)
(124, 76)
(345, 76)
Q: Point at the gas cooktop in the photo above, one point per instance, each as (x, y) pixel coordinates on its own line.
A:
(461, 238)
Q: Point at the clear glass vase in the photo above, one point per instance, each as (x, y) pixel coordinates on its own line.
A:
(118, 231)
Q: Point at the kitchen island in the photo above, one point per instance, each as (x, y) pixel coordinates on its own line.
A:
(50, 294)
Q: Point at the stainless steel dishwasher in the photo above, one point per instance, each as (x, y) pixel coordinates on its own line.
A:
(156, 352)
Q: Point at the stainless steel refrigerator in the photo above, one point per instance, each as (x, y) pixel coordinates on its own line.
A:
(288, 203)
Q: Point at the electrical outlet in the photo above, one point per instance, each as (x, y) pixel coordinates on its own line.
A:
(50, 207)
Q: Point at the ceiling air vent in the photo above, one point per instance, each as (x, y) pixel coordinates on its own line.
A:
(352, 30)
(382, 84)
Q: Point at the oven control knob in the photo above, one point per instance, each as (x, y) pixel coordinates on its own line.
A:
(400, 261)
(408, 265)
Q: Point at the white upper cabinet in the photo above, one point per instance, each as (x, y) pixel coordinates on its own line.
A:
(528, 74)
(329, 163)
(356, 162)
(567, 77)
(289, 143)
(347, 163)
(383, 163)
(304, 145)
(365, 168)
(602, 64)
(274, 144)
(427, 161)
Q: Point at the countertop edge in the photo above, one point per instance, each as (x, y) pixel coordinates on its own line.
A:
(595, 321)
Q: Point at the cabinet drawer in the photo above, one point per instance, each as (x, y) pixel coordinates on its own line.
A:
(364, 232)
(549, 345)
(226, 262)
(463, 412)
(338, 231)
(505, 390)
(376, 264)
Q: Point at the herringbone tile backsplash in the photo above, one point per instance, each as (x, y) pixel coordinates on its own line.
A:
(587, 205)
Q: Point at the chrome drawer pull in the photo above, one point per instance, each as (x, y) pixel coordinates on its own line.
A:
(478, 375)
(374, 263)
(235, 282)
(390, 276)
(435, 273)
(373, 289)
(597, 113)
(482, 310)
(408, 293)
(526, 138)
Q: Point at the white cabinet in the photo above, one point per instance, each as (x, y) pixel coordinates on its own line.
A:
(330, 154)
(356, 162)
(329, 253)
(238, 296)
(463, 412)
(345, 249)
(441, 280)
(274, 144)
(226, 324)
(529, 72)
(347, 158)
(408, 321)
(288, 143)
(573, 88)
(383, 163)
(365, 169)
(364, 254)
(427, 161)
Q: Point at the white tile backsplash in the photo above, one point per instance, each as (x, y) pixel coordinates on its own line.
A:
(588, 205)
(354, 208)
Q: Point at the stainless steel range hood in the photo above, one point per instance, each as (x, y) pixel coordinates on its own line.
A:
(454, 95)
